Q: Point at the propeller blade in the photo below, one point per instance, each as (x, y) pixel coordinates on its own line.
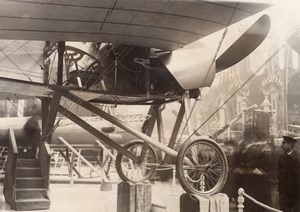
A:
(294, 42)
(247, 43)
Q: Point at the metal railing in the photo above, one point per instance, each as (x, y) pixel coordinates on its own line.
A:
(241, 200)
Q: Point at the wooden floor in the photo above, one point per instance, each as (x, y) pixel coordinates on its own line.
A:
(88, 197)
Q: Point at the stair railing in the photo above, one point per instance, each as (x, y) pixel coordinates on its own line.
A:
(9, 189)
(45, 161)
(241, 201)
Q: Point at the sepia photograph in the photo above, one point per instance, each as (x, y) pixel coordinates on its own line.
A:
(150, 105)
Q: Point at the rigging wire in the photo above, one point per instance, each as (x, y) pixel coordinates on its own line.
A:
(221, 41)
(7, 57)
(42, 68)
(71, 103)
(245, 82)
(212, 62)
(124, 52)
(16, 107)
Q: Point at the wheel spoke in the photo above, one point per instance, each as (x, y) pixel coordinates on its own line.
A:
(209, 170)
(136, 172)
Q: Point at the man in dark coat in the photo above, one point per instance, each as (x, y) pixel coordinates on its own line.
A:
(289, 177)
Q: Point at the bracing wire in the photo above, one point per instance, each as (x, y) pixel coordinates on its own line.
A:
(16, 107)
(7, 56)
(60, 121)
(212, 62)
(245, 82)
(222, 40)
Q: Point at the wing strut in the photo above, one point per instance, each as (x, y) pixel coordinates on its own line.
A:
(111, 119)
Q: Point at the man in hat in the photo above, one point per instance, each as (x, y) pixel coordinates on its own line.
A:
(289, 177)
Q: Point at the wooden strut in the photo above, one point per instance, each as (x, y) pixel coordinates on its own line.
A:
(175, 131)
(96, 133)
(113, 120)
(101, 174)
(51, 116)
(60, 63)
(68, 161)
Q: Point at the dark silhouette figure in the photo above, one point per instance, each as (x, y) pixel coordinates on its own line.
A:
(27, 138)
(289, 177)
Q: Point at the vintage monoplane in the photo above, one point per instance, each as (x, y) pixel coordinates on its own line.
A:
(142, 53)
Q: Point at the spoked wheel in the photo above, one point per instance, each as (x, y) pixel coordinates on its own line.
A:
(136, 172)
(201, 167)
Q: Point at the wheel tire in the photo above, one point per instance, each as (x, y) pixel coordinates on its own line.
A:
(122, 159)
(190, 177)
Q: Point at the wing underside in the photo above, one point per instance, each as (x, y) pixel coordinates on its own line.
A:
(11, 89)
(163, 24)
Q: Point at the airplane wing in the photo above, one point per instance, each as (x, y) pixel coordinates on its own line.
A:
(11, 89)
(162, 24)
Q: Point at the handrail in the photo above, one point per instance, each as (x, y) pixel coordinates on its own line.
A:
(241, 200)
(12, 141)
(45, 161)
(11, 165)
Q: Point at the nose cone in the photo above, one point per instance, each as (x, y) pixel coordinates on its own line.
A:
(191, 67)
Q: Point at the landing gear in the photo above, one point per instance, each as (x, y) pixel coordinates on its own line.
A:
(201, 167)
(136, 172)
(201, 164)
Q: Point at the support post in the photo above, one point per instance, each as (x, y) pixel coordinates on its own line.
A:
(149, 124)
(174, 176)
(60, 63)
(241, 200)
(71, 169)
(51, 117)
(160, 129)
(175, 131)
(134, 197)
(45, 100)
(195, 203)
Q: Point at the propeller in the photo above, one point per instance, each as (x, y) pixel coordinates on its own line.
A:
(192, 65)
(247, 43)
